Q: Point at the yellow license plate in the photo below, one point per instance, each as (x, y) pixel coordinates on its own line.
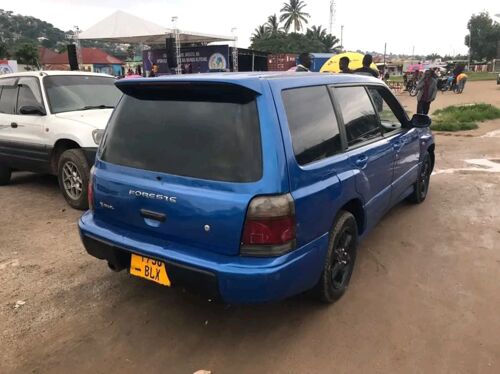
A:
(147, 268)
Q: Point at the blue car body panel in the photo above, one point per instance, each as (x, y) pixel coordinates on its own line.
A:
(376, 175)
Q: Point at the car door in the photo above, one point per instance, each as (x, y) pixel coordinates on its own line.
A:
(371, 155)
(27, 126)
(316, 163)
(403, 138)
(8, 99)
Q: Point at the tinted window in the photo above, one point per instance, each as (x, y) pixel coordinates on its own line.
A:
(8, 99)
(389, 110)
(312, 123)
(360, 120)
(190, 133)
(67, 93)
(29, 93)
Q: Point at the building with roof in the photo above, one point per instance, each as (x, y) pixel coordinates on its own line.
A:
(93, 60)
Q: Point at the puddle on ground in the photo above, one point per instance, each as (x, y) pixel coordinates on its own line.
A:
(477, 165)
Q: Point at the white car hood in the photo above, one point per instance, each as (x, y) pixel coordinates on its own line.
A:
(96, 118)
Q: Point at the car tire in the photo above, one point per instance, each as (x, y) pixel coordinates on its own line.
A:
(340, 259)
(5, 174)
(421, 186)
(73, 173)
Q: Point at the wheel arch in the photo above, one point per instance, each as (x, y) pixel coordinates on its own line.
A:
(355, 207)
(61, 146)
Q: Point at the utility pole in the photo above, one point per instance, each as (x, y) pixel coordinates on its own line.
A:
(470, 46)
(385, 49)
(332, 15)
(235, 50)
(78, 47)
(342, 37)
(178, 69)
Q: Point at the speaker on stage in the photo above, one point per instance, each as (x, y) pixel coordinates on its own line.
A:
(171, 53)
(72, 58)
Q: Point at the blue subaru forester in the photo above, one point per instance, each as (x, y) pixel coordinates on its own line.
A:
(251, 187)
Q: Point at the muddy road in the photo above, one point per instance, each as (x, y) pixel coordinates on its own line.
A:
(424, 297)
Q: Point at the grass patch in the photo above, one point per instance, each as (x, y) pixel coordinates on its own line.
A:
(481, 76)
(463, 117)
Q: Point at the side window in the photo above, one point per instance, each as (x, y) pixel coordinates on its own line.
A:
(390, 112)
(9, 96)
(29, 93)
(360, 120)
(312, 123)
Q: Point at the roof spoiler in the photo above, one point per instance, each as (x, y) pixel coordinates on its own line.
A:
(153, 89)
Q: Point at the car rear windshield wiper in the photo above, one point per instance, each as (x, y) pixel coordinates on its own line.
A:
(102, 106)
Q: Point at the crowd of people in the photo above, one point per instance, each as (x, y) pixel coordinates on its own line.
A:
(425, 83)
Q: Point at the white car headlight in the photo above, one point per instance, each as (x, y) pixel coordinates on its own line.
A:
(97, 135)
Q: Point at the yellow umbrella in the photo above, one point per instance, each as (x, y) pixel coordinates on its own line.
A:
(355, 62)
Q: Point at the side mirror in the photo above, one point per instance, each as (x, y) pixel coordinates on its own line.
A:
(32, 110)
(421, 121)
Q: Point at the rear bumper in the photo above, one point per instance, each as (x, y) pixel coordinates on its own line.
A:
(233, 279)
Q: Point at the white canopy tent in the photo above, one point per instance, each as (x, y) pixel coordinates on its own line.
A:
(122, 27)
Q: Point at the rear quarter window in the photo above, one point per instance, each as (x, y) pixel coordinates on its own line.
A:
(312, 123)
(193, 132)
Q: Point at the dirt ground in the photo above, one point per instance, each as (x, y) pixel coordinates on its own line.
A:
(424, 297)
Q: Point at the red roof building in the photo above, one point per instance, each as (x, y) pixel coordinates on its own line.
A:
(94, 59)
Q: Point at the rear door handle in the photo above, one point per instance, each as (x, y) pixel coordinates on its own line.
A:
(153, 215)
(361, 161)
(13, 125)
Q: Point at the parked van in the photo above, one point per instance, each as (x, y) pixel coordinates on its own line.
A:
(251, 187)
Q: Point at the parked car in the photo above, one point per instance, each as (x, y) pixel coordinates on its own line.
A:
(251, 187)
(52, 122)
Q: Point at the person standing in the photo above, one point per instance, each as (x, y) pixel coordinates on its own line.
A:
(344, 65)
(154, 71)
(366, 69)
(305, 63)
(461, 80)
(427, 90)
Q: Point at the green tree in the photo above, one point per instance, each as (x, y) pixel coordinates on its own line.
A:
(292, 13)
(316, 32)
(433, 56)
(260, 33)
(131, 52)
(288, 43)
(4, 52)
(273, 24)
(27, 54)
(483, 37)
(329, 41)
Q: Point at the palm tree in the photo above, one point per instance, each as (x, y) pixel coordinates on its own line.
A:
(273, 24)
(331, 43)
(316, 32)
(292, 13)
(260, 32)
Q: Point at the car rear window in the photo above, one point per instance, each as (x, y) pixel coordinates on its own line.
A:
(207, 132)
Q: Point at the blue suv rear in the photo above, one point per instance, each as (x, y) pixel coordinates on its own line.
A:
(251, 187)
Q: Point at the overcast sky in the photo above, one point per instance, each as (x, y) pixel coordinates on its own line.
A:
(428, 25)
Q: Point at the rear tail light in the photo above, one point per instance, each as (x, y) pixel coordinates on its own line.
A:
(269, 228)
(90, 191)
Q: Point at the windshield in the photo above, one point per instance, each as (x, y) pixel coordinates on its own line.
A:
(200, 132)
(67, 93)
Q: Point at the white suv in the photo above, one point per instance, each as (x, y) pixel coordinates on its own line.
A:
(52, 122)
